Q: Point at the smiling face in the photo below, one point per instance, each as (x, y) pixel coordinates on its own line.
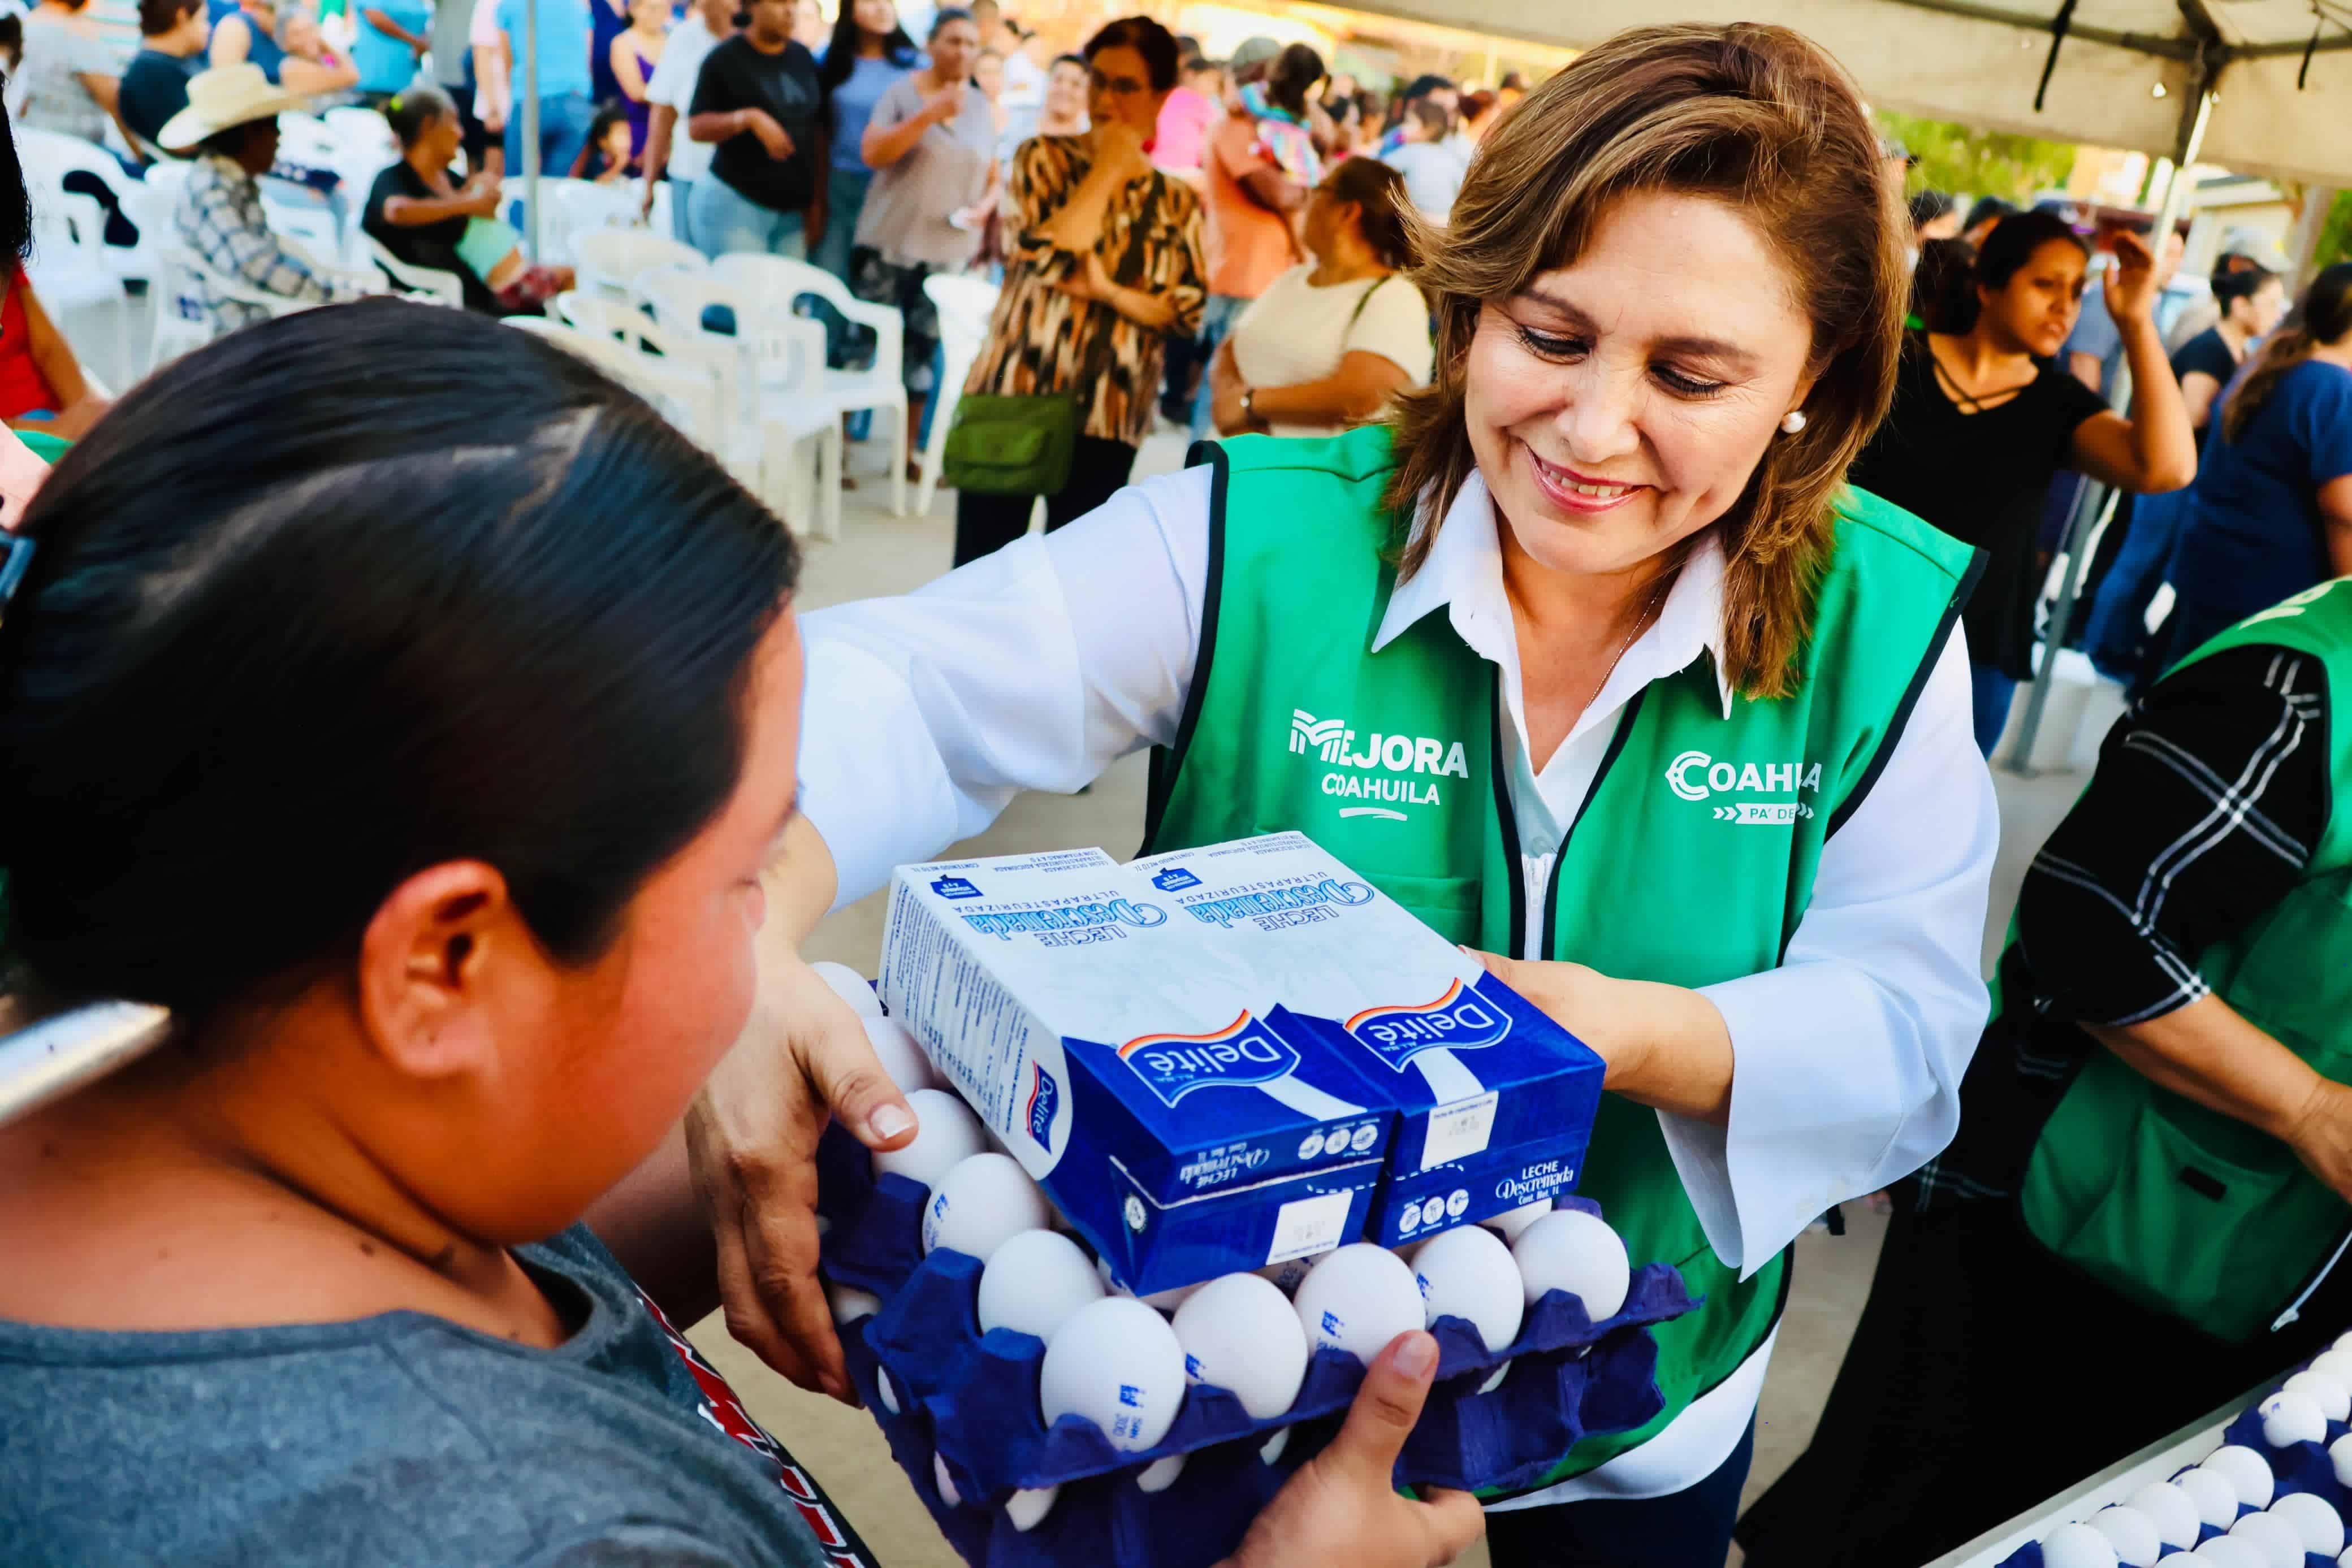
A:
(2034, 311)
(1066, 91)
(1621, 403)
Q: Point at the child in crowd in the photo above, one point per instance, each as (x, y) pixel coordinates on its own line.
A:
(606, 157)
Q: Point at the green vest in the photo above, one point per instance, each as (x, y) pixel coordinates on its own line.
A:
(1693, 857)
(2179, 1207)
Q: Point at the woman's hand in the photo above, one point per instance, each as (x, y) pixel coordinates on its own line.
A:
(1119, 150)
(945, 104)
(1343, 1507)
(773, 138)
(1091, 280)
(1664, 1046)
(2130, 283)
(752, 1137)
(481, 195)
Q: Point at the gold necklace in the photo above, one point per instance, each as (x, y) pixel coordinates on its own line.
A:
(1639, 621)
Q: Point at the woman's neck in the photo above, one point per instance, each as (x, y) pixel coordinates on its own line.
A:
(872, 46)
(181, 1196)
(1985, 353)
(1350, 260)
(1556, 608)
(434, 175)
(2235, 336)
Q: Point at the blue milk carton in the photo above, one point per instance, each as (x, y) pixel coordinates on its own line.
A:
(1112, 1050)
(1495, 1100)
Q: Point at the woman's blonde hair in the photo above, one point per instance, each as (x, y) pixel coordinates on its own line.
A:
(1763, 120)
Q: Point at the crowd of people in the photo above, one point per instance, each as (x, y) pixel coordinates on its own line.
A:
(1605, 454)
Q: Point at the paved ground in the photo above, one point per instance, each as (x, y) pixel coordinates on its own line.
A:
(881, 555)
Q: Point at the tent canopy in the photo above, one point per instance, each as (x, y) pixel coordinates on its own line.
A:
(2125, 73)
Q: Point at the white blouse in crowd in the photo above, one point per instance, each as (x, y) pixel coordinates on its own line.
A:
(1036, 667)
(1296, 332)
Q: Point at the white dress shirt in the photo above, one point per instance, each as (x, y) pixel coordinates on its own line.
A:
(1038, 666)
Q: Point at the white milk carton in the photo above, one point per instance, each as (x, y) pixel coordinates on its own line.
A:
(1110, 1044)
(1494, 1100)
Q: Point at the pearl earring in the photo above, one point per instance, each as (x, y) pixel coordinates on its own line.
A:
(1793, 420)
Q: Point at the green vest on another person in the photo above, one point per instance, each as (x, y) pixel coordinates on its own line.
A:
(2181, 1208)
(1691, 862)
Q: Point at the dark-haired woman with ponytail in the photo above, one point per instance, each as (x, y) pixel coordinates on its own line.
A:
(2272, 514)
(1330, 341)
(1983, 419)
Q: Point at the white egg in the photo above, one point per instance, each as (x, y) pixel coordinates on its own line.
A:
(900, 1057)
(2343, 1343)
(850, 986)
(2176, 1560)
(945, 1482)
(1468, 1273)
(1357, 1299)
(2132, 1533)
(980, 1204)
(1033, 1281)
(2315, 1518)
(1271, 1449)
(2289, 1418)
(2245, 1471)
(1511, 1221)
(1568, 1249)
(1171, 1299)
(2280, 1544)
(2222, 1552)
(2339, 1454)
(2346, 1560)
(1024, 1510)
(1160, 1474)
(849, 1303)
(946, 1133)
(2336, 1363)
(889, 1390)
(2324, 1389)
(2170, 1510)
(2214, 1494)
(1240, 1333)
(1116, 1363)
(2076, 1546)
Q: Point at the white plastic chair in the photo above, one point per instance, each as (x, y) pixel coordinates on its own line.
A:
(609, 261)
(48, 157)
(181, 321)
(779, 353)
(427, 282)
(965, 305)
(882, 385)
(682, 390)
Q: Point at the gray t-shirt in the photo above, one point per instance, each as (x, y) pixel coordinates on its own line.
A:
(57, 54)
(452, 21)
(907, 206)
(397, 1440)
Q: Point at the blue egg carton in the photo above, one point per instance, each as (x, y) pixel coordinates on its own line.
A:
(969, 1400)
(2299, 1467)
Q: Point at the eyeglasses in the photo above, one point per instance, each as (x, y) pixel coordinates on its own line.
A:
(1121, 86)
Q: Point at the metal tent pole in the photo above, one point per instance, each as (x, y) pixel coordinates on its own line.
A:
(2095, 505)
(529, 108)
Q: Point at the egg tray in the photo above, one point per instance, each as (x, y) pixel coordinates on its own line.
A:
(2299, 1467)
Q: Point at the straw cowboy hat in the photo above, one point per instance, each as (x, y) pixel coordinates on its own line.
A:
(218, 100)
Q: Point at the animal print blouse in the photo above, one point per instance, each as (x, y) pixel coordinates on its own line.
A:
(1042, 338)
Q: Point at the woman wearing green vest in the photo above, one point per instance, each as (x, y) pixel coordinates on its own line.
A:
(2146, 1211)
(1573, 658)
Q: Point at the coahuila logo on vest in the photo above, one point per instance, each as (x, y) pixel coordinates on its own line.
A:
(1243, 1052)
(1695, 776)
(1461, 1020)
(1413, 763)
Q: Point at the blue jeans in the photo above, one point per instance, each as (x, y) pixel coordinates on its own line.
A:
(1991, 691)
(563, 122)
(1218, 314)
(725, 220)
(682, 203)
(2119, 629)
(844, 198)
(1688, 1528)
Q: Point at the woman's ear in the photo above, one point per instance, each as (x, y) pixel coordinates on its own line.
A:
(428, 963)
